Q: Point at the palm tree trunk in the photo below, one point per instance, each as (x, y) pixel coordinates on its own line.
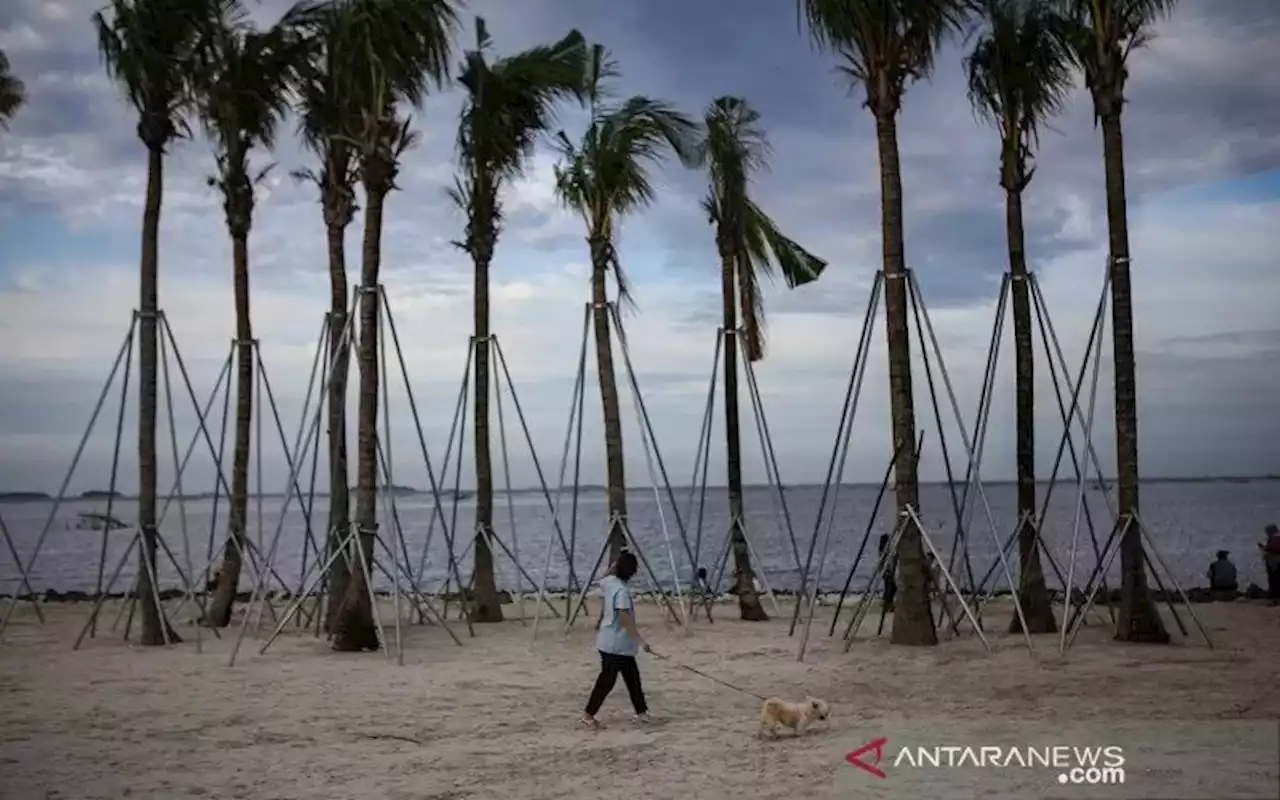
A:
(154, 626)
(1139, 620)
(608, 397)
(486, 605)
(237, 542)
(355, 625)
(749, 606)
(339, 488)
(1033, 595)
(913, 616)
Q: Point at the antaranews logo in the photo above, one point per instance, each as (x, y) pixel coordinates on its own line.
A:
(1077, 765)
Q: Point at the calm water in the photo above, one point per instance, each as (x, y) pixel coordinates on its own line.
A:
(1188, 520)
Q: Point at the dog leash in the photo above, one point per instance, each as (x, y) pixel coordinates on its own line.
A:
(711, 678)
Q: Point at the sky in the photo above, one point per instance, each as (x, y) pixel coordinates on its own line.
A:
(1202, 137)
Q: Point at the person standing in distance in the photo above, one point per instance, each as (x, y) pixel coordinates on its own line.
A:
(1271, 560)
(618, 641)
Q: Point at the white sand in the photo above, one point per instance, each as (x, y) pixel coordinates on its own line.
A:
(495, 719)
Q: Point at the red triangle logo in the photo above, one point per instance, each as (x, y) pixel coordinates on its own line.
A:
(875, 746)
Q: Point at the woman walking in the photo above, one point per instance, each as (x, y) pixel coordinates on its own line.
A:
(618, 640)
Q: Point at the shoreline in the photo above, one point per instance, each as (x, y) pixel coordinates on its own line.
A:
(1196, 594)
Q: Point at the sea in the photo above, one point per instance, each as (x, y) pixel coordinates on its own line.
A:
(1186, 522)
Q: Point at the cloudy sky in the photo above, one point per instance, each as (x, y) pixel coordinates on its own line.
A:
(1203, 148)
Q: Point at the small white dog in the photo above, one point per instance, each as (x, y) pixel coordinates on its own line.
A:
(777, 713)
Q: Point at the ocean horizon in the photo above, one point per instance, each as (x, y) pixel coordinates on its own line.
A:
(1188, 520)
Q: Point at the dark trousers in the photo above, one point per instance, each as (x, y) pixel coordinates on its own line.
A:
(610, 666)
(1273, 583)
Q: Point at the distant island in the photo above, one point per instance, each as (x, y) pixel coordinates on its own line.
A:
(23, 497)
(101, 494)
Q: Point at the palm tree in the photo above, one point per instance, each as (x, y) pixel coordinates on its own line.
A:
(151, 49)
(749, 244)
(1019, 75)
(1102, 35)
(327, 112)
(508, 105)
(388, 53)
(12, 93)
(241, 94)
(884, 45)
(602, 178)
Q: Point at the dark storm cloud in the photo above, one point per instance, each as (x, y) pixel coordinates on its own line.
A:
(1222, 106)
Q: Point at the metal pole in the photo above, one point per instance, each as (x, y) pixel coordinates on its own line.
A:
(178, 465)
(75, 460)
(866, 535)
(496, 380)
(422, 442)
(1048, 335)
(259, 589)
(769, 454)
(1084, 474)
(1155, 553)
(877, 575)
(22, 576)
(533, 451)
(840, 449)
(575, 403)
(115, 471)
(701, 461)
(219, 455)
(969, 451)
(647, 434)
(387, 463)
(937, 557)
(437, 511)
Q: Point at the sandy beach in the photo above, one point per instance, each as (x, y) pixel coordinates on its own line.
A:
(497, 718)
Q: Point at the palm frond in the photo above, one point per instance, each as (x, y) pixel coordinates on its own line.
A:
(734, 146)
(607, 174)
(1019, 75)
(509, 104)
(245, 89)
(883, 45)
(12, 92)
(767, 245)
(154, 49)
(363, 58)
(751, 304)
(1101, 34)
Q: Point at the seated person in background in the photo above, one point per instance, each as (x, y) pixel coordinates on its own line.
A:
(1222, 574)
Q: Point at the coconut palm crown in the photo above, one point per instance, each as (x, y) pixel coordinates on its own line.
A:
(735, 146)
(1019, 76)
